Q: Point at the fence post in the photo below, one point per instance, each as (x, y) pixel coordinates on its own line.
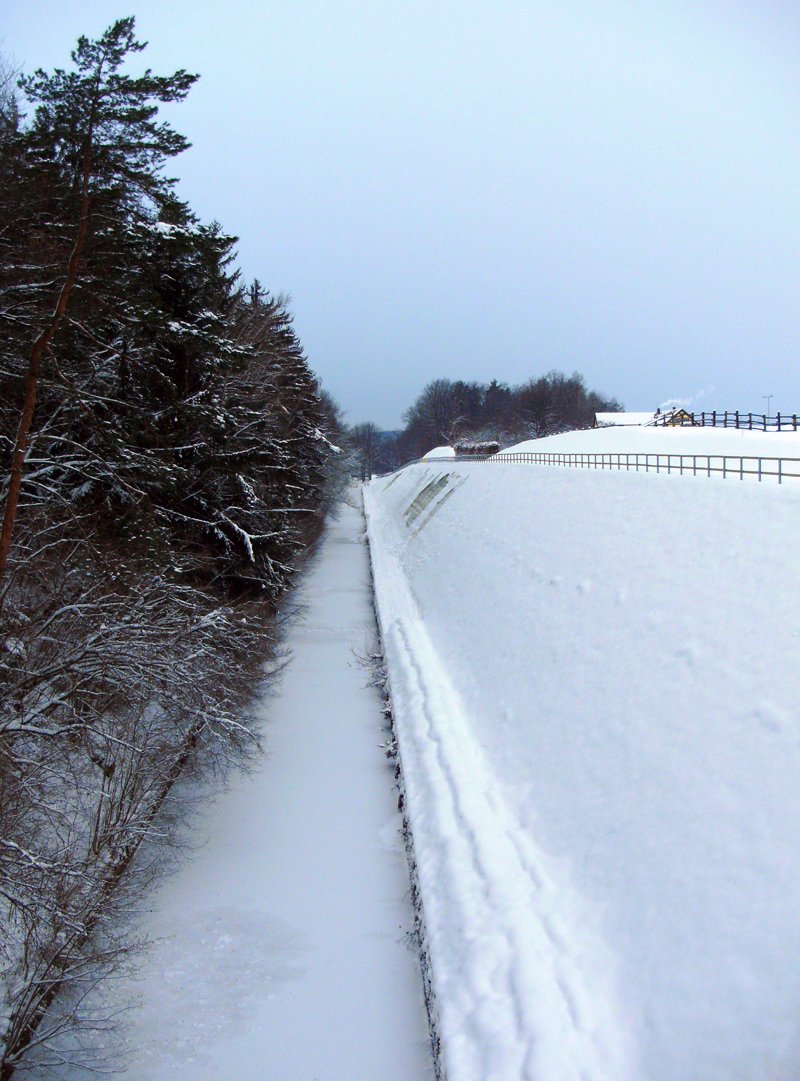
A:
(737, 418)
(779, 422)
(794, 421)
(759, 470)
(750, 415)
(714, 419)
(780, 463)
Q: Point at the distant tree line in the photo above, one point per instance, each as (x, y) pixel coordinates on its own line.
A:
(168, 460)
(447, 412)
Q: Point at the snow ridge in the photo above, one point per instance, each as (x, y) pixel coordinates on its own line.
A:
(524, 986)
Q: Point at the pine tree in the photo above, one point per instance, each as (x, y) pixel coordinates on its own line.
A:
(100, 150)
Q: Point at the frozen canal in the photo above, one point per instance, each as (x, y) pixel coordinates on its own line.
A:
(283, 943)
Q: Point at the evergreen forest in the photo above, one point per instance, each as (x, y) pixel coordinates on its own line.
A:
(168, 460)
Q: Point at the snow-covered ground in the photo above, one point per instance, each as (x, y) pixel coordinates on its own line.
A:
(596, 681)
(686, 440)
(282, 946)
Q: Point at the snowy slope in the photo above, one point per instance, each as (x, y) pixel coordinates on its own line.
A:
(668, 441)
(596, 682)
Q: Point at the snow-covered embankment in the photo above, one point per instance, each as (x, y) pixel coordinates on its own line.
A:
(596, 692)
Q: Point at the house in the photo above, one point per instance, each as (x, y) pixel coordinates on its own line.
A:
(676, 418)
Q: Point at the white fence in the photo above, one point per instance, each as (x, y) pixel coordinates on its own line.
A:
(696, 465)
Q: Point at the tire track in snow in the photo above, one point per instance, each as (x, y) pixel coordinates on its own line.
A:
(524, 988)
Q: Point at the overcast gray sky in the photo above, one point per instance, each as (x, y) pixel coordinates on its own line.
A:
(492, 188)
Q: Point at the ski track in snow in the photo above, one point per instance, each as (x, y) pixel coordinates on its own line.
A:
(525, 988)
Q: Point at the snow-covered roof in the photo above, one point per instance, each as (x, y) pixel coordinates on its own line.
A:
(616, 420)
(439, 452)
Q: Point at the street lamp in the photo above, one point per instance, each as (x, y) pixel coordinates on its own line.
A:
(767, 398)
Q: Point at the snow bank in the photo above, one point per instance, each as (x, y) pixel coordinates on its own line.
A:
(597, 692)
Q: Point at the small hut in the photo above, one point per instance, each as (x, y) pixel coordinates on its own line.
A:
(676, 418)
(468, 448)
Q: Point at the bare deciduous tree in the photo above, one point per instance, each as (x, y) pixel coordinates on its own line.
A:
(366, 442)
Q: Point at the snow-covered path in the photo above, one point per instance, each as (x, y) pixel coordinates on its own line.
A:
(283, 950)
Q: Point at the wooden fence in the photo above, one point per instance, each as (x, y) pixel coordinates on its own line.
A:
(754, 422)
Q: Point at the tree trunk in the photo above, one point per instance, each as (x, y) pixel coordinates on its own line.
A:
(39, 346)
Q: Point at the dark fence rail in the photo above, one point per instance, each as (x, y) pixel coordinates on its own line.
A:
(696, 465)
(753, 422)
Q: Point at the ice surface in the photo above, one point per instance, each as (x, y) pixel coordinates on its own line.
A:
(597, 685)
